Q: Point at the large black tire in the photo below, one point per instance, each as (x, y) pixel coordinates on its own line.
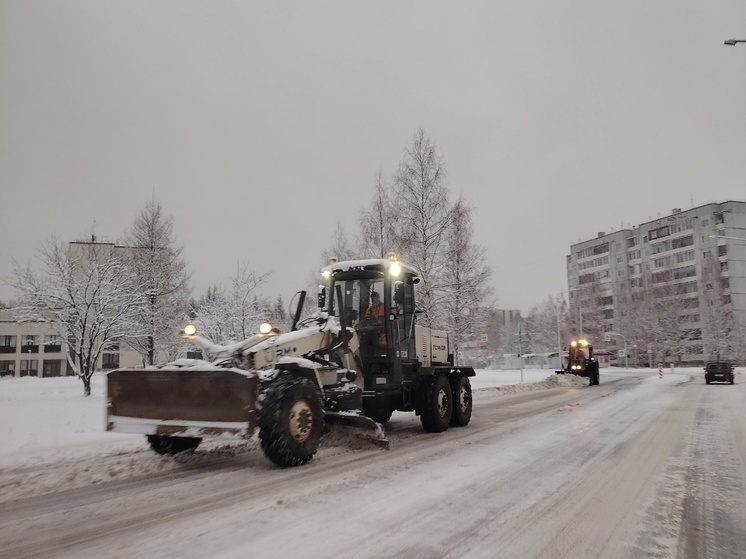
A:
(163, 444)
(437, 404)
(462, 402)
(380, 413)
(291, 421)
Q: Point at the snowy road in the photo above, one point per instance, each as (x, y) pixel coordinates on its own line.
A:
(636, 467)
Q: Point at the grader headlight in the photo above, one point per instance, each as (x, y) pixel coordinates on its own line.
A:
(395, 269)
(265, 328)
(189, 331)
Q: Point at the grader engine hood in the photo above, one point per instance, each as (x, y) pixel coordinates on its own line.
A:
(432, 346)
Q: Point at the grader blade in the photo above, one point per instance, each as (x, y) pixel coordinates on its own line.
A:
(359, 426)
(184, 402)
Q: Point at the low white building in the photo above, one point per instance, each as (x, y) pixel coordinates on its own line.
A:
(34, 349)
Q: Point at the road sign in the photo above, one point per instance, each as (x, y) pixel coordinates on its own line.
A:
(607, 337)
(484, 338)
(621, 353)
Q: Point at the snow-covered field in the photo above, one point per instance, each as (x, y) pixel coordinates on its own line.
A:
(51, 426)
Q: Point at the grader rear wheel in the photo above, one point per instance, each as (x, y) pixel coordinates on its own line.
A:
(462, 402)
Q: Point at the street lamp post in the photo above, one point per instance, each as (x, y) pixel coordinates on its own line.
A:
(28, 361)
(732, 42)
(520, 347)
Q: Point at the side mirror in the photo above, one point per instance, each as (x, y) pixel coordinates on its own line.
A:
(322, 296)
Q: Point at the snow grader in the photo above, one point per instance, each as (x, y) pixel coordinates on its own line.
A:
(580, 361)
(348, 363)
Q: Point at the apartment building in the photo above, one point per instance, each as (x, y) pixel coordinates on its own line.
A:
(693, 259)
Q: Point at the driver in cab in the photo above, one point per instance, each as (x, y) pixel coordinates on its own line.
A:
(375, 314)
(375, 311)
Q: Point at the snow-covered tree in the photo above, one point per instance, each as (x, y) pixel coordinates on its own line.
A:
(722, 335)
(156, 260)
(425, 216)
(542, 328)
(234, 314)
(87, 294)
(465, 279)
(377, 234)
(342, 248)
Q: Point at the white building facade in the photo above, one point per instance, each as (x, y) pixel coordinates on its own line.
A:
(671, 289)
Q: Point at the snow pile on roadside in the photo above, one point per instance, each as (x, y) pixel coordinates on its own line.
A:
(552, 381)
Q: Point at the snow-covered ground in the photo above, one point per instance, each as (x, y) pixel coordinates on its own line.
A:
(640, 466)
(48, 421)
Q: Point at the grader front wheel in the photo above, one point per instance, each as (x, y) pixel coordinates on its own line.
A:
(291, 421)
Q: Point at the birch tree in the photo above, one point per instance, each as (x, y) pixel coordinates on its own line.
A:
(542, 328)
(377, 221)
(86, 294)
(465, 277)
(424, 218)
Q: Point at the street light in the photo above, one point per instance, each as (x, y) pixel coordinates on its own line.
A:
(732, 42)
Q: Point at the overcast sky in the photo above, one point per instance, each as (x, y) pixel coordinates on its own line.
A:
(260, 125)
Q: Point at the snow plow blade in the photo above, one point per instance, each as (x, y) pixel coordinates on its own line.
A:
(181, 402)
(359, 426)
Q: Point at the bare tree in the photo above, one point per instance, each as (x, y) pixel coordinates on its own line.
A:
(86, 293)
(465, 279)
(234, 314)
(541, 325)
(424, 218)
(377, 237)
(158, 263)
(722, 334)
(342, 248)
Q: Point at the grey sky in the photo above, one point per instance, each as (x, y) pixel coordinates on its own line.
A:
(259, 125)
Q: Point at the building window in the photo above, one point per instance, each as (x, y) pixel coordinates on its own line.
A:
(664, 231)
(110, 361)
(29, 367)
(723, 266)
(722, 250)
(52, 344)
(7, 344)
(719, 219)
(705, 222)
(52, 368)
(7, 367)
(30, 344)
(682, 242)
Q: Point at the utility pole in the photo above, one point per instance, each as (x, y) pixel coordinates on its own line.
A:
(520, 347)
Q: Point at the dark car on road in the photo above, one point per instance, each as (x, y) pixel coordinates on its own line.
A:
(719, 371)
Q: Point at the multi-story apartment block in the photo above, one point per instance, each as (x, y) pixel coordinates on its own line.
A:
(671, 289)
